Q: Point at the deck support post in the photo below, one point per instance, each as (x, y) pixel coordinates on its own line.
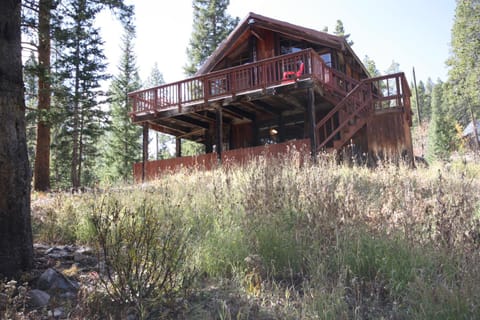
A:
(178, 147)
(281, 128)
(145, 150)
(219, 142)
(312, 134)
(209, 139)
(256, 134)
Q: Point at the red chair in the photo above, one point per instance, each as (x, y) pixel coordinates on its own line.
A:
(288, 75)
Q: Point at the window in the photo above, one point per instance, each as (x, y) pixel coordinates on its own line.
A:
(327, 58)
(290, 46)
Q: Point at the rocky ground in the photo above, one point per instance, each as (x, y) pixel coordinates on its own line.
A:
(65, 276)
(50, 290)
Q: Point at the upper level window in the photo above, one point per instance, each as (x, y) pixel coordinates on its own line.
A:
(290, 46)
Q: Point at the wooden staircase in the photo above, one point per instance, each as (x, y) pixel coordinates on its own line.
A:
(357, 108)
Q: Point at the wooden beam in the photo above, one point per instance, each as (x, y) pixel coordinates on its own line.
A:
(292, 100)
(145, 150)
(263, 106)
(240, 112)
(312, 133)
(192, 133)
(191, 121)
(178, 147)
(281, 128)
(256, 133)
(219, 117)
(202, 117)
(165, 129)
(209, 139)
(286, 119)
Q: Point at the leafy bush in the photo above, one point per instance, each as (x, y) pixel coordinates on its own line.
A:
(144, 251)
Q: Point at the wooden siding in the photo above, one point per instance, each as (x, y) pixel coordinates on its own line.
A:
(389, 137)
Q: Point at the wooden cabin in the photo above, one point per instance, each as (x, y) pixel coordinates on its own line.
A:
(271, 86)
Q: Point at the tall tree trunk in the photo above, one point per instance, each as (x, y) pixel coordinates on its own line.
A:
(16, 248)
(42, 155)
(80, 150)
(76, 117)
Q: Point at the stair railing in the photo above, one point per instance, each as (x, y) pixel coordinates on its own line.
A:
(368, 96)
(357, 103)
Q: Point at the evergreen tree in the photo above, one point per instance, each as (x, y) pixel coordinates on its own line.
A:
(419, 105)
(340, 31)
(211, 25)
(443, 133)
(464, 63)
(155, 78)
(42, 21)
(124, 146)
(37, 18)
(429, 85)
(371, 66)
(393, 68)
(82, 68)
(162, 140)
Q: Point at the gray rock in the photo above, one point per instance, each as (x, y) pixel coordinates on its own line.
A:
(63, 252)
(40, 246)
(38, 298)
(57, 313)
(52, 280)
(84, 260)
(85, 250)
(3, 300)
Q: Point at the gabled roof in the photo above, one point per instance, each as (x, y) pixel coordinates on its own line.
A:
(295, 31)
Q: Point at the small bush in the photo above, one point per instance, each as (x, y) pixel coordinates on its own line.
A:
(144, 252)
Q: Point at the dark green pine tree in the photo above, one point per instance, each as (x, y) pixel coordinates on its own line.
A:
(41, 19)
(419, 105)
(464, 62)
(81, 66)
(124, 146)
(442, 138)
(211, 25)
(340, 31)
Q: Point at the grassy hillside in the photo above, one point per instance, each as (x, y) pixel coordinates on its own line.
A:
(281, 242)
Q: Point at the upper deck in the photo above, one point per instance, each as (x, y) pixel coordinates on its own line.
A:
(262, 92)
(248, 79)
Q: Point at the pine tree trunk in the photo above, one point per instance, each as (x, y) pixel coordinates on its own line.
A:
(76, 118)
(16, 249)
(42, 155)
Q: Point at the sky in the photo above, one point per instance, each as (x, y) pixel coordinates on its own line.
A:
(414, 33)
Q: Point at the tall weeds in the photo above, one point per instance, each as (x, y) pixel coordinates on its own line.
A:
(333, 241)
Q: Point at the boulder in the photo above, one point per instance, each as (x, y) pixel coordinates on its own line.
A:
(53, 281)
(38, 298)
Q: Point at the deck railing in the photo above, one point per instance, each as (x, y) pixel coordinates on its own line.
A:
(241, 79)
(390, 92)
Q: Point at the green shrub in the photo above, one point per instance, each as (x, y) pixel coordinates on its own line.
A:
(144, 250)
